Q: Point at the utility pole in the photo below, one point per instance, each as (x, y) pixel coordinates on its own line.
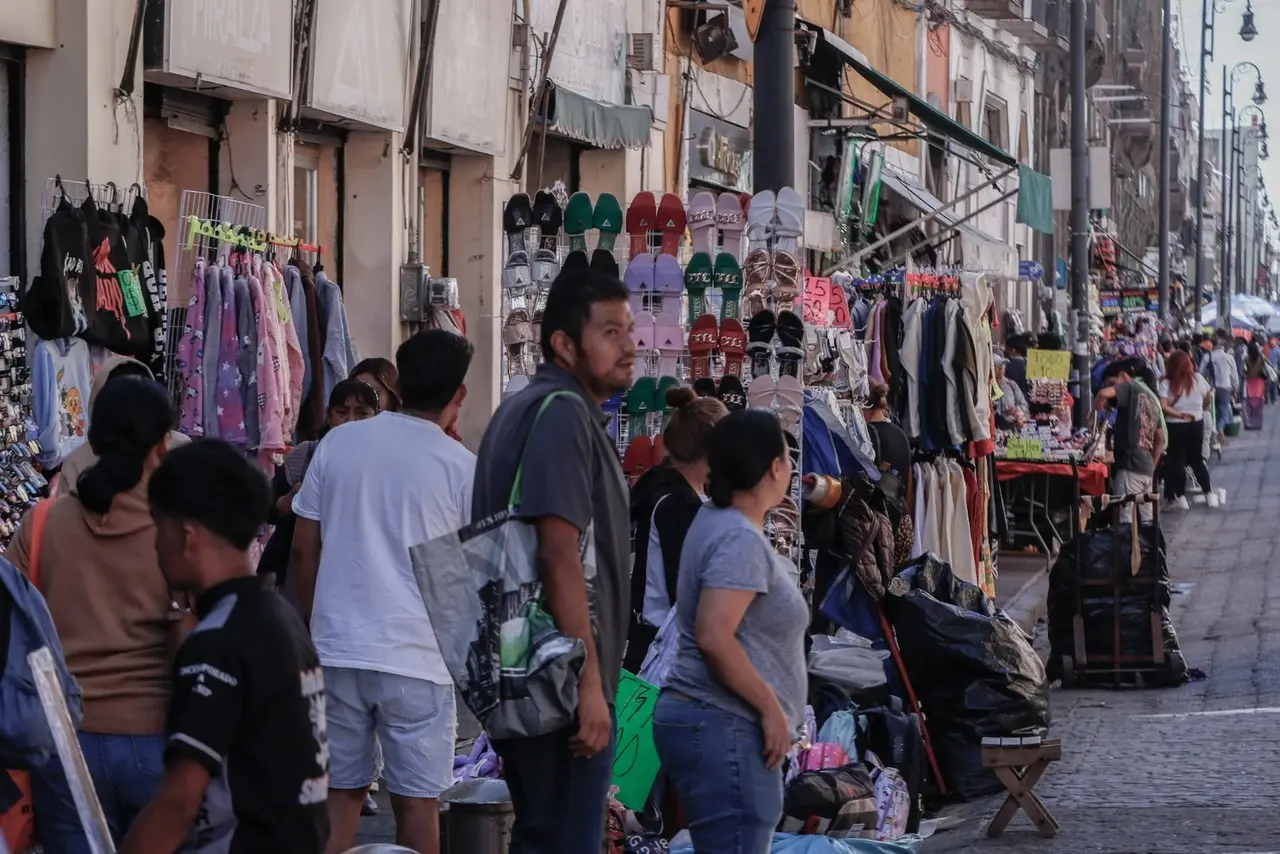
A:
(773, 127)
(1206, 54)
(1080, 215)
(1224, 226)
(1166, 141)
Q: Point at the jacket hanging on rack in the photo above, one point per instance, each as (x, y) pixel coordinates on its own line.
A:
(120, 317)
(55, 303)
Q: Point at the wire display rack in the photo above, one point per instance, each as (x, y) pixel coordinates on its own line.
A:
(76, 192)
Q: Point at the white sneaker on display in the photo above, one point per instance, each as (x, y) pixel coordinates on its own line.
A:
(1212, 499)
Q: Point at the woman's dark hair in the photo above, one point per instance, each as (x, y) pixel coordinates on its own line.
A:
(386, 374)
(878, 396)
(1254, 352)
(744, 446)
(353, 389)
(130, 417)
(691, 424)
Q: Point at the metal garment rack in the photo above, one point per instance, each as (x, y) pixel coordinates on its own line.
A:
(76, 192)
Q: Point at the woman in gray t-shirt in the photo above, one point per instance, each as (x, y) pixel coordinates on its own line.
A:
(734, 698)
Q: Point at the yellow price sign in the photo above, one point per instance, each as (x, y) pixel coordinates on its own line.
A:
(1048, 364)
(1024, 449)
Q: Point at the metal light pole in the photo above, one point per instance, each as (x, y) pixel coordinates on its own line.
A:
(1166, 143)
(1208, 36)
(1246, 204)
(1080, 214)
(773, 134)
(1230, 131)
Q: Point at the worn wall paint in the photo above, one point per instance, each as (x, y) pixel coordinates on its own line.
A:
(173, 161)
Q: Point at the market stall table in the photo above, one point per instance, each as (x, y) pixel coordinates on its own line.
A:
(1090, 478)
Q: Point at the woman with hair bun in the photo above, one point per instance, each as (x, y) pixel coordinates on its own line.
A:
(734, 699)
(92, 554)
(663, 504)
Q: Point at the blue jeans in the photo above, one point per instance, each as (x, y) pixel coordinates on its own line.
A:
(126, 771)
(559, 799)
(1222, 402)
(731, 801)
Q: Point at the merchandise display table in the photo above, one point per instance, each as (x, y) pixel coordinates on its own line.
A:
(1028, 489)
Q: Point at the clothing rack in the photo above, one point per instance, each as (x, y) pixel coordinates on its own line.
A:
(109, 194)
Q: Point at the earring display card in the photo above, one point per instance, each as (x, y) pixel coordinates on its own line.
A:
(22, 483)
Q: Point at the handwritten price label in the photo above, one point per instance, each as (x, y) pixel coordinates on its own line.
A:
(1048, 364)
(635, 758)
(817, 301)
(1024, 449)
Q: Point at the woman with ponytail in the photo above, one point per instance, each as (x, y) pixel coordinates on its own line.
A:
(734, 699)
(664, 502)
(92, 554)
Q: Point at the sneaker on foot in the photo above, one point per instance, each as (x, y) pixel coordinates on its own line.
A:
(1222, 496)
(1198, 498)
(1212, 499)
(1180, 503)
(370, 806)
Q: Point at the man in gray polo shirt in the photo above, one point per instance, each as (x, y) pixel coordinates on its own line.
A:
(571, 483)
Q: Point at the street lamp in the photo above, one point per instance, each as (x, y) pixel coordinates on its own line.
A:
(1260, 93)
(1248, 30)
(1208, 36)
(1243, 204)
(1231, 190)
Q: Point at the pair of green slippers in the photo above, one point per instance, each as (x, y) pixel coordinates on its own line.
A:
(580, 216)
(726, 274)
(648, 395)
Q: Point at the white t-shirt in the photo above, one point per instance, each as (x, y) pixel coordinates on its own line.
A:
(1189, 404)
(379, 487)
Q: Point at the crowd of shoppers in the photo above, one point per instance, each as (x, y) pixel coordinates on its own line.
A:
(248, 705)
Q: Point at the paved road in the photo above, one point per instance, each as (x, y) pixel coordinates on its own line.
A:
(1190, 770)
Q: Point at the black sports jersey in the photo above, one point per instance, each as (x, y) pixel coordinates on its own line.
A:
(248, 704)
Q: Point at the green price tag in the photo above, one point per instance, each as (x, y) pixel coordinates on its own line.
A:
(1024, 449)
(132, 290)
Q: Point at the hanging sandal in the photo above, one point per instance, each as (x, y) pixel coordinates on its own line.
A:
(640, 282)
(786, 281)
(762, 393)
(732, 222)
(641, 400)
(790, 395)
(671, 222)
(758, 269)
(790, 340)
(784, 523)
(731, 393)
(788, 221)
(638, 459)
(760, 347)
(705, 387)
(733, 346)
(698, 276)
(702, 222)
(642, 216)
(728, 277)
(704, 336)
(517, 332)
(760, 216)
(644, 336)
(668, 284)
(669, 342)
(665, 384)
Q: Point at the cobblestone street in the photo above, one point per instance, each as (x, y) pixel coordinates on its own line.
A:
(1190, 770)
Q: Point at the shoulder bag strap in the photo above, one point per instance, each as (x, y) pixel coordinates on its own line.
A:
(39, 516)
(514, 499)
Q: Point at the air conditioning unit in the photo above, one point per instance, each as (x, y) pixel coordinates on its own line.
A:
(964, 91)
(640, 51)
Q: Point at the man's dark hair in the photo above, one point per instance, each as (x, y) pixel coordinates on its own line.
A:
(130, 368)
(211, 484)
(569, 302)
(432, 365)
(1114, 369)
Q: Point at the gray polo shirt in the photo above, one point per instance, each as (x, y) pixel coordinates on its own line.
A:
(572, 471)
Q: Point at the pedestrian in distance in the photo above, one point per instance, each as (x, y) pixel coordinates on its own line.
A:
(1185, 395)
(374, 489)
(733, 702)
(246, 757)
(91, 553)
(571, 484)
(1139, 432)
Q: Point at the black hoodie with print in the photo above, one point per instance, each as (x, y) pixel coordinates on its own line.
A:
(55, 303)
(119, 318)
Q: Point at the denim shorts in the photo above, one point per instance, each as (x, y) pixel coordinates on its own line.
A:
(414, 721)
(715, 759)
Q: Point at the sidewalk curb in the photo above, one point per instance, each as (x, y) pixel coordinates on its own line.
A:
(1031, 603)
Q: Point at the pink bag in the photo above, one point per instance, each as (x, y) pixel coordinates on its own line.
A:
(821, 756)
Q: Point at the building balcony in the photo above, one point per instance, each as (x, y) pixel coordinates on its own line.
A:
(999, 10)
(1046, 26)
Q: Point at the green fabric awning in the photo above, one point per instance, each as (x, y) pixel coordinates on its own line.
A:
(932, 118)
(1035, 200)
(597, 123)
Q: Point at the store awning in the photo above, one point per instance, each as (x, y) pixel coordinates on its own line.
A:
(924, 201)
(929, 116)
(596, 122)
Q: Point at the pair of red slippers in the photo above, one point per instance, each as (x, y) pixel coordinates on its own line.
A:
(646, 214)
(643, 454)
(708, 335)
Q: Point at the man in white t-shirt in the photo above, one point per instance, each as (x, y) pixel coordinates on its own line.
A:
(374, 489)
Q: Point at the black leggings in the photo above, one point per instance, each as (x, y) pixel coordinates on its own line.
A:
(1186, 448)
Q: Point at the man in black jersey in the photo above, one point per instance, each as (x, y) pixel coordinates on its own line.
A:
(246, 758)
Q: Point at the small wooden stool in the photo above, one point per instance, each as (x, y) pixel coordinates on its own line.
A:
(1019, 763)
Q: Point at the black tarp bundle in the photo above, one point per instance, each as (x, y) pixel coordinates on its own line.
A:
(972, 667)
(1098, 560)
